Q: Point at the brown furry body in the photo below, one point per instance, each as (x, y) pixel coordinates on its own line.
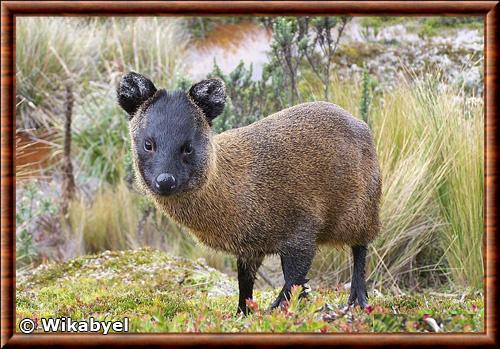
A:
(305, 175)
(301, 177)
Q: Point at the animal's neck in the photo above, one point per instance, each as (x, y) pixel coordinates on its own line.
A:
(202, 209)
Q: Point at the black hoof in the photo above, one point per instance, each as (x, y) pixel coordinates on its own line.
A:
(284, 296)
(358, 298)
(278, 302)
(243, 310)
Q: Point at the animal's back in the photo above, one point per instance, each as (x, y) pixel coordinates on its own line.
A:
(312, 164)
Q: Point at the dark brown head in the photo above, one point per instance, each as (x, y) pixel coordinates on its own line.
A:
(170, 132)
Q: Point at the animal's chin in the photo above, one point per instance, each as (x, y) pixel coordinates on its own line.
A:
(171, 194)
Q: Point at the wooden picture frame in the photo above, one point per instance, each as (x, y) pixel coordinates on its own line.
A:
(11, 9)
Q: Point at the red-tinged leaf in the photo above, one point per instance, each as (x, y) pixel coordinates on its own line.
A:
(252, 305)
(284, 306)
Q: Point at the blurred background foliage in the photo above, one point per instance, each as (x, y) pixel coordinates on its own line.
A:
(417, 82)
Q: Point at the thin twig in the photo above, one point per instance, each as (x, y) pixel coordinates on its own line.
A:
(266, 278)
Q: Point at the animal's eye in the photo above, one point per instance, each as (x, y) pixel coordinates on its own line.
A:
(148, 145)
(187, 148)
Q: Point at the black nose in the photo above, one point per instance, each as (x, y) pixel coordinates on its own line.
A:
(165, 183)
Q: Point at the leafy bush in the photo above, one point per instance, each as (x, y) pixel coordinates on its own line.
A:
(101, 135)
(319, 45)
(247, 100)
(285, 58)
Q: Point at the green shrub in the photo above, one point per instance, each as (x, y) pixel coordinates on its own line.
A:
(101, 135)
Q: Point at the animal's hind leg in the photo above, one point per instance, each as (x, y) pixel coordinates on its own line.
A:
(295, 261)
(358, 285)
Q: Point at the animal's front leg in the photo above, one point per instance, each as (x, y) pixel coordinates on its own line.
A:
(296, 260)
(247, 268)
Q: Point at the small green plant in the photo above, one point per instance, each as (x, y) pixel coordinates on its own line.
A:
(161, 293)
(364, 104)
(367, 86)
(25, 248)
(286, 56)
(429, 137)
(31, 206)
(247, 100)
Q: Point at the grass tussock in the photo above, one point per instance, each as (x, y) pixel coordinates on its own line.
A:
(429, 141)
(47, 56)
(118, 218)
(109, 222)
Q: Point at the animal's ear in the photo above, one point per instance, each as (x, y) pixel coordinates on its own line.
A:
(210, 96)
(133, 90)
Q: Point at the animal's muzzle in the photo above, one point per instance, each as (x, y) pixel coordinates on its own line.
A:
(165, 183)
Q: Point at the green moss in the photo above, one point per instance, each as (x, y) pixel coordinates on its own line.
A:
(424, 25)
(430, 26)
(382, 21)
(116, 284)
(160, 293)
